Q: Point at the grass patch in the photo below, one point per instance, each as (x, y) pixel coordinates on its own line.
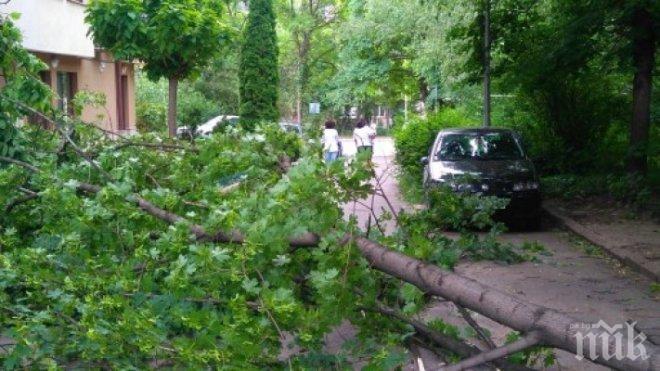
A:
(587, 247)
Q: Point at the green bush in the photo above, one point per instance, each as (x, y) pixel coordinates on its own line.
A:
(151, 116)
(414, 138)
(150, 104)
(193, 108)
(633, 189)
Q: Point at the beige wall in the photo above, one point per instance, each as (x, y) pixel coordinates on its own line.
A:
(52, 26)
(97, 75)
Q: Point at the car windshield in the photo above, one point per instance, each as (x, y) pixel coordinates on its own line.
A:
(479, 146)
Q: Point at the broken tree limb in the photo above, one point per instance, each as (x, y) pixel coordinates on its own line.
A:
(234, 236)
(20, 163)
(475, 326)
(444, 341)
(529, 340)
(20, 200)
(555, 328)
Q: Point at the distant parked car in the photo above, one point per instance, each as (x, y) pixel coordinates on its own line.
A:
(486, 161)
(291, 127)
(208, 127)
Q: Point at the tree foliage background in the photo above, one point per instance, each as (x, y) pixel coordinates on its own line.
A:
(258, 69)
(174, 39)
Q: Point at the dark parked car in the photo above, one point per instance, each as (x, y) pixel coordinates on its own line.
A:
(486, 161)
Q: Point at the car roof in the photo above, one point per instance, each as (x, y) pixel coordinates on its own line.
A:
(475, 131)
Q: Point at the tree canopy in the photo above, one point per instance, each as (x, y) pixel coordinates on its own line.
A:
(174, 39)
(258, 69)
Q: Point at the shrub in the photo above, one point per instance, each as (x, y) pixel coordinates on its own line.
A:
(632, 189)
(193, 108)
(150, 116)
(414, 138)
(150, 104)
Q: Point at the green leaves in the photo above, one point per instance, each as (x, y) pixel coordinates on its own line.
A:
(258, 71)
(91, 277)
(174, 39)
(19, 70)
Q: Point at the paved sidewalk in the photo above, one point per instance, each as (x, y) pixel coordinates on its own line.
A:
(635, 243)
(390, 200)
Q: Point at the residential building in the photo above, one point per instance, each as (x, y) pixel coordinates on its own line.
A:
(56, 32)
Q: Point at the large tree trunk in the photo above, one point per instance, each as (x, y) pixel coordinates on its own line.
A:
(171, 107)
(643, 59)
(555, 329)
(303, 46)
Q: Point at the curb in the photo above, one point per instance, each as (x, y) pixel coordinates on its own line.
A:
(597, 240)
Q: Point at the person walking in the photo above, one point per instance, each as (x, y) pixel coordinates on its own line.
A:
(331, 142)
(364, 136)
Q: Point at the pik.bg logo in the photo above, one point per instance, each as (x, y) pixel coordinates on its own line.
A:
(611, 339)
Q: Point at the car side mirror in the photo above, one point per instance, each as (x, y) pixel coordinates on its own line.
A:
(424, 160)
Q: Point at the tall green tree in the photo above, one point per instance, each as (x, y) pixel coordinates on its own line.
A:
(258, 74)
(174, 38)
(570, 59)
(308, 43)
(389, 48)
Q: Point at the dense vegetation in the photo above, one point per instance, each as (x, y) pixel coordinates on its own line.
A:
(562, 72)
(174, 40)
(258, 73)
(146, 252)
(194, 106)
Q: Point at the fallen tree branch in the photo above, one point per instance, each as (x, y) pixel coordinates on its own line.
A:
(20, 163)
(478, 329)
(20, 200)
(555, 328)
(529, 340)
(444, 341)
(64, 134)
(160, 146)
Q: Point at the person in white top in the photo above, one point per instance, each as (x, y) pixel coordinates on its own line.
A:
(364, 136)
(331, 143)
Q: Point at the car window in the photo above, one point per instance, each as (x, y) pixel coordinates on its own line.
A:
(479, 146)
(499, 146)
(457, 147)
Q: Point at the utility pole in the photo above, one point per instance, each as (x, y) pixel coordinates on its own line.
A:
(487, 43)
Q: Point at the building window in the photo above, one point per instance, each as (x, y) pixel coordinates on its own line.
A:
(66, 89)
(121, 83)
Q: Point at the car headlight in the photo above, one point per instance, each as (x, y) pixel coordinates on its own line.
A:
(525, 186)
(462, 187)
